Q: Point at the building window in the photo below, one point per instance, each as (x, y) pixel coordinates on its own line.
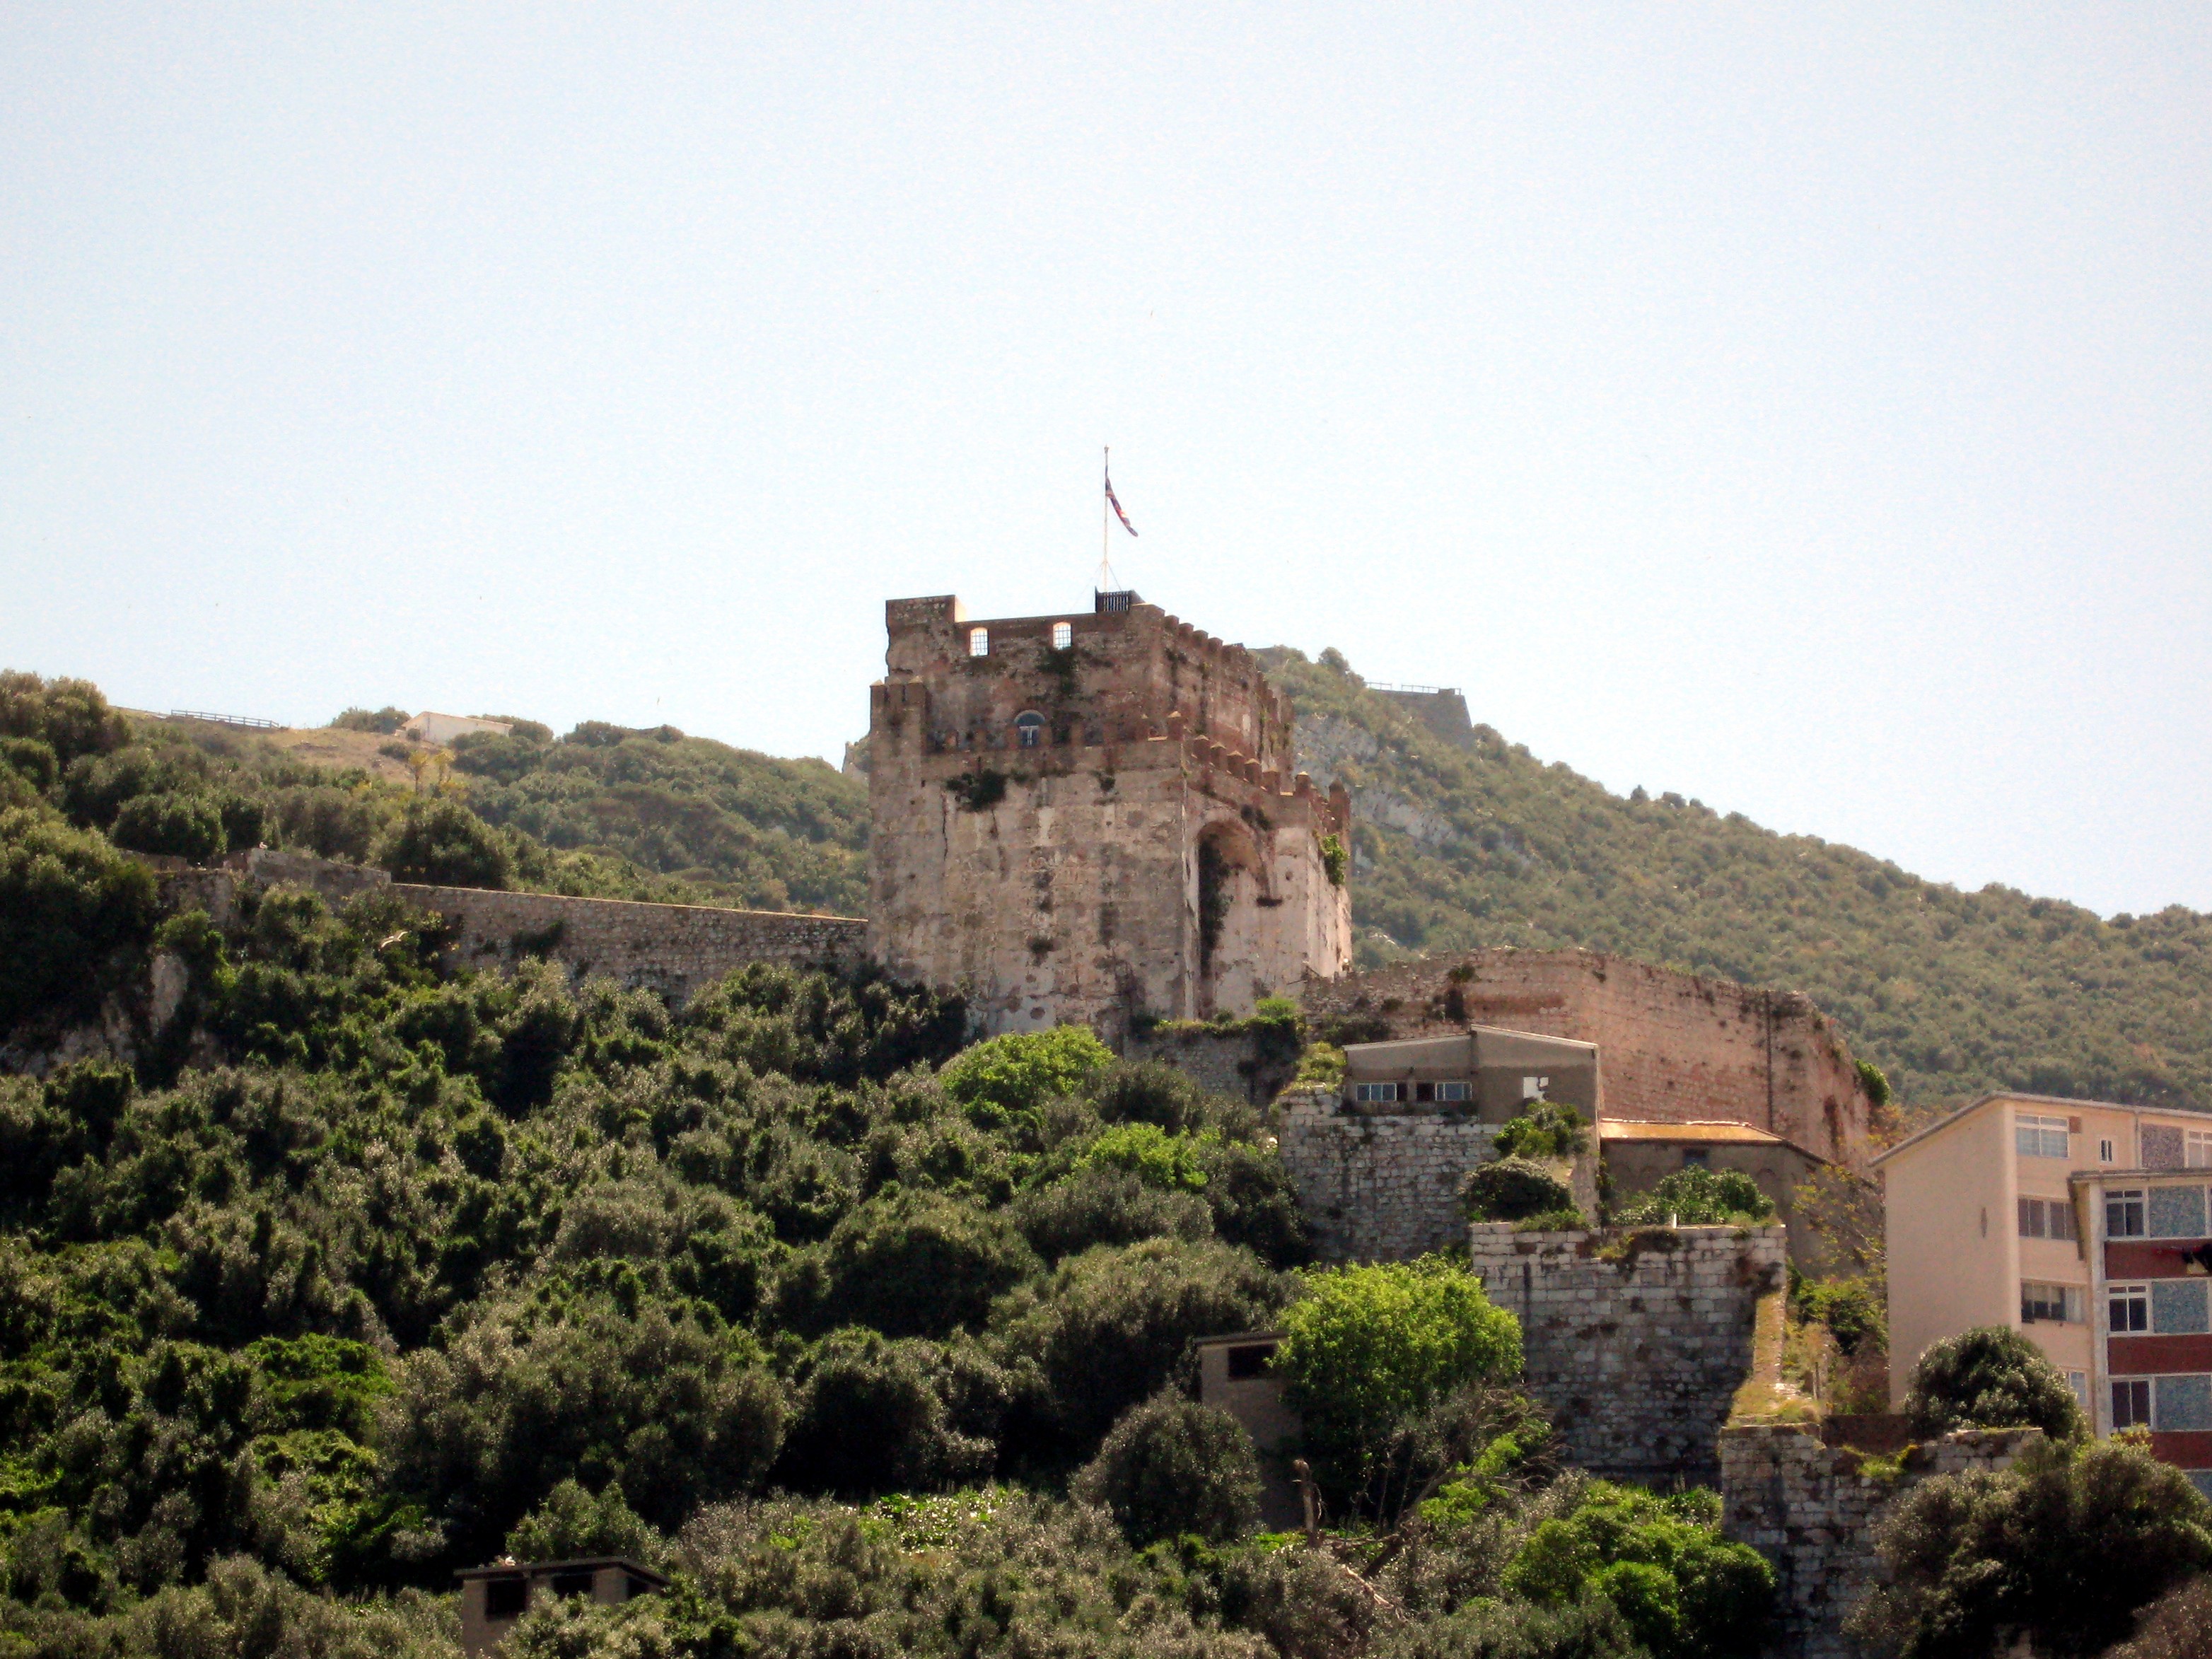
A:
(1533, 1088)
(507, 1597)
(2131, 1404)
(2129, 1308)
(2058, 1304)
(1696, 1157)
(2040, 1137)
(1374, 1093)
(2197, 1153)
(1028, 730)
(2046, 1218)
(1249, 1360)
(1449, 1093)
(1063, 635)
(2104, 1151)
(978, 642)
(2124, 1214)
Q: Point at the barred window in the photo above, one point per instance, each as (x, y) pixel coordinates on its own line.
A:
(978, 642)
(1063, 635)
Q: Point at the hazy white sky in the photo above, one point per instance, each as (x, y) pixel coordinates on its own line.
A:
(1808, 409)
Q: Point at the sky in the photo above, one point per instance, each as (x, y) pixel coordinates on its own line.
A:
(1808, 410)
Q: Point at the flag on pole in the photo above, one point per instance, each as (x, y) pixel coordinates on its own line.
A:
(1114, 502)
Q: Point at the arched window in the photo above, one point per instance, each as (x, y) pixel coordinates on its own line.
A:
(1063, 635)
(1029, 728)
(978, 642)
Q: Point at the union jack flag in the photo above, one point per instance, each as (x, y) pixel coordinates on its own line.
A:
(1114, 502)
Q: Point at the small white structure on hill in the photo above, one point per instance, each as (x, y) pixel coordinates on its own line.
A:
(439, 730)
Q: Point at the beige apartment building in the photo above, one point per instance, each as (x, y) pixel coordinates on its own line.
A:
(1988, 1224)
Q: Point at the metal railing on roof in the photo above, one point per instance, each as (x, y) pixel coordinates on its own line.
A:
(1414, 690)
(246, 720)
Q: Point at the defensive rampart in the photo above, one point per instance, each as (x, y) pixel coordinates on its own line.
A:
(1674, 1048)
(1636, 1342)
(672, 949)
(1377, 1187)
(1813, 1512)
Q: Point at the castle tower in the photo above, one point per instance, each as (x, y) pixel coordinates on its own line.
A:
(1090, 817)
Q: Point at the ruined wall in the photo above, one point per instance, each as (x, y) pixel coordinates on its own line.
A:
(1375, 1187)
(1813, 1512)
(673, 949)
(1636, 1342)
(1673, 1048)
(1059, 838)
(1237, 1060)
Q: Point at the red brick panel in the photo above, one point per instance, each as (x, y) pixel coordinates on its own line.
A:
(2146, 1356)
(2184, 1451)
(2135, 1258)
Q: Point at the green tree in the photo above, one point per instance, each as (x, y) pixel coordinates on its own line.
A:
(2066, 1546)
(1989, 1377)
(1367, 1349)
(1008, 1076)
(441, 843)
(911, 1264)
(1171, 1467)
(872, 1416)
(71, 913)
(183, 823)
(572, 1522)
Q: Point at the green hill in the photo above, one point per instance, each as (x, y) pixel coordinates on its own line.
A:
(1459, 847)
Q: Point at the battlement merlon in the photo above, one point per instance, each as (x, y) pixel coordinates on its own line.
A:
(1123, 671)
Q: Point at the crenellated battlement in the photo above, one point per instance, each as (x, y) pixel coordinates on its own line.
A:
(1094, 816)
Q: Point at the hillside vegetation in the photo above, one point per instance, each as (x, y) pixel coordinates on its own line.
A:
(1949, 991)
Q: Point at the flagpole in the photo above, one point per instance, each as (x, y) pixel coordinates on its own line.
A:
(1107, 463)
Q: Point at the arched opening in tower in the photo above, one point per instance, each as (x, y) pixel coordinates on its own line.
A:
(1231, 884)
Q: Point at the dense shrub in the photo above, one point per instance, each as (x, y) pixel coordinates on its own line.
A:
(441, 843)
(1368, 1349)
(574, 1522)
(1685, 1591)
(1148, 1092)
(1513, 1189)
(72, 913)
(909, 1264)
(1100, 1205)
(873, 1416)
(1544, 1129)
(2174, 1626)
(1699, 1198)
(1989, 1377)
(1009, 1076)
(69, 717)
(1171, 1467)
(1589, 1629)
(1110, 1326)
(182, 823)
(2067, 1546)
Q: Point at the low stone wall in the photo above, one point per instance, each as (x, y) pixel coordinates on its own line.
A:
(672, 949)
(1236, 1061)
(1636, 1342)
(1813, 1512)
(1379, 1188)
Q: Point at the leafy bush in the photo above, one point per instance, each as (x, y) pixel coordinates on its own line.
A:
(1989, 1377)
(1169, 1163)
(71, 914)
(1685, 1591)
(1854, 1310)
(2066, 1546)
(382, 721)
(872, 1417)
(572, 1522)
(1694, 1197)
(1148, 1092)
(441, 843)
(69, 717)
(1110, 1326)
(909, 1264)
(1254, 1202)
(1010, 1076)
(1545, 1129)
(1513, 1189)
(2173, 1627)
(1101, 1204)
(186, 825)
(1370, 1348)
(1172, 1467)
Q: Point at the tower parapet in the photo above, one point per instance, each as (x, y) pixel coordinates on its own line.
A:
(1094, 817)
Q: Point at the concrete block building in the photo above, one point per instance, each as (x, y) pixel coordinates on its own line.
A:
(1094, 818)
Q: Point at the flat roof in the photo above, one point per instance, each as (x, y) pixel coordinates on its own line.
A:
(1239, 1336)
(538, 1569)
(2027, 1099)
(2083, 1177)
(1710, 1129)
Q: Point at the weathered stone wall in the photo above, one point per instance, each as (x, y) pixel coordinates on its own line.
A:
(1636, 1342)
(1673, 1048)
(1095, 832)
(1378, 1188)
(673, 949)
(1236, 1061)
(1813, 1512)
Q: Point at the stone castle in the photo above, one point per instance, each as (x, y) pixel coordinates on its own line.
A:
(1094, 818)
